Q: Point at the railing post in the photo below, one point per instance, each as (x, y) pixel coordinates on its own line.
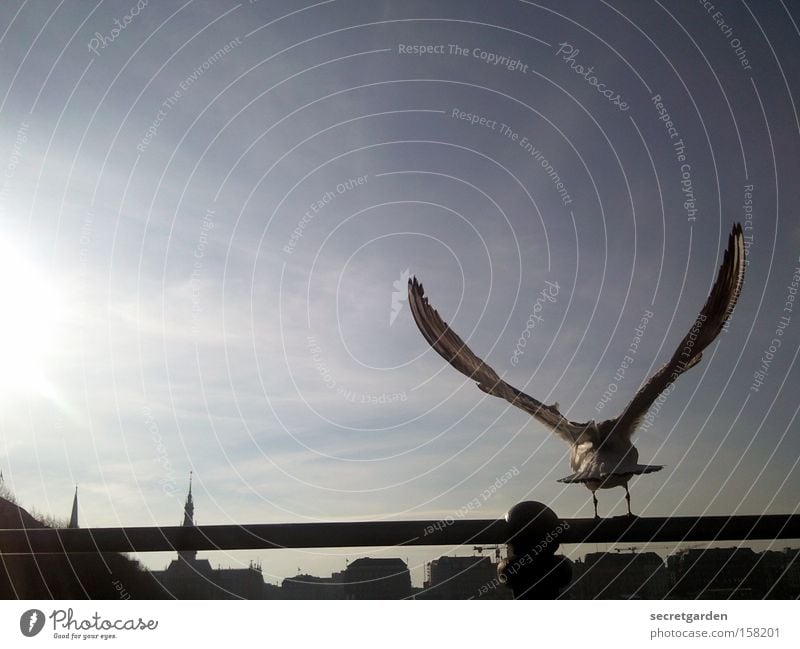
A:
(532, 570)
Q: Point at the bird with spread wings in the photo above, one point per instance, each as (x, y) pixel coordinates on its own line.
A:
(602, 455)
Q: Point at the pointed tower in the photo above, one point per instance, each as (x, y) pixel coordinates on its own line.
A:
(188, 521)
(73, 518)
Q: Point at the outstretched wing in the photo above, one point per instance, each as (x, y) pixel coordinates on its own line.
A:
(455, 351)
(709, 323)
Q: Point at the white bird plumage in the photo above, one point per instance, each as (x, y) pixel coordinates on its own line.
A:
(602, 454)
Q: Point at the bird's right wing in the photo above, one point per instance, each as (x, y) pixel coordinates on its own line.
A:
(456, 352)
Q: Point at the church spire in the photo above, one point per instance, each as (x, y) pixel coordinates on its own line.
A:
(73, 519)
(188, 510)
(188, 521)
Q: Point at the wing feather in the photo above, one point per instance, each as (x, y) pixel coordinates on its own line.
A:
(455, 351)
(715, 313)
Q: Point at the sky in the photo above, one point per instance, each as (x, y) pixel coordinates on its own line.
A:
(209, 213)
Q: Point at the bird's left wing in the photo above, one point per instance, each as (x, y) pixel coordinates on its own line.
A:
(456, 352)
(716, 311)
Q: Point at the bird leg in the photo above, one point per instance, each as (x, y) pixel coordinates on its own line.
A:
(594, 500)
(628, 499)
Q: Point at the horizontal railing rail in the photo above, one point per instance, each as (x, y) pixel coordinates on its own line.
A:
(394, 533)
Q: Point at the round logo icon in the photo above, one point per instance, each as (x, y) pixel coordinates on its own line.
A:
(31, 622)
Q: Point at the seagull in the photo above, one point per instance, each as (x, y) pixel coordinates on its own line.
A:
(602, 455)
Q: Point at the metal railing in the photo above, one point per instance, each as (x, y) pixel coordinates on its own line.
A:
(392, 533)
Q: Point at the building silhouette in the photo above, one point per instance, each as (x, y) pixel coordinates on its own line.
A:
(711, 573)
(311, 587)
(73, 517)
(368, 578)
(472, 577)
(364, 578)
(188, 577)
(734, 573)
(612, 575)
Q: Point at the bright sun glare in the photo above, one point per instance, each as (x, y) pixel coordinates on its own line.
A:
(30, 311)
